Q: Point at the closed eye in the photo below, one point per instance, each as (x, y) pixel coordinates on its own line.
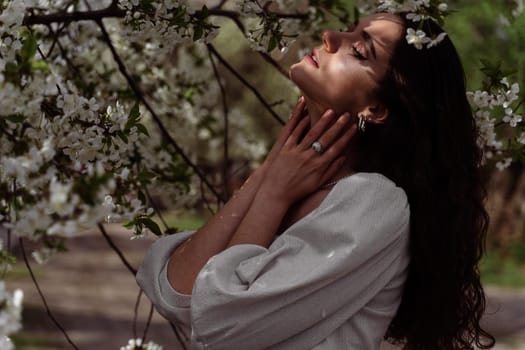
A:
(358, 54)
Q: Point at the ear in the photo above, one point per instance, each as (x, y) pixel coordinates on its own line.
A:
(375, 114)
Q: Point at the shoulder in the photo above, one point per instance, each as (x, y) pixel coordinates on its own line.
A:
(367, 189)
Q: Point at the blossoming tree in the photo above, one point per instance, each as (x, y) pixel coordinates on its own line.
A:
(101, 103)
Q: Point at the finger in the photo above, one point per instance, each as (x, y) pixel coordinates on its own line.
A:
(340, 144)
(333, 168)
(298, 109)
(318, 129)
(298, 113)
(330, 135)
(294, 137)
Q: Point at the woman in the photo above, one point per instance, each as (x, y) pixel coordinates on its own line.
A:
(342, 238)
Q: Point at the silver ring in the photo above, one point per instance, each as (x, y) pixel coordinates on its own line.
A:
(317, 147)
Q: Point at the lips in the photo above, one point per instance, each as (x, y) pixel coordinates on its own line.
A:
(313, 58)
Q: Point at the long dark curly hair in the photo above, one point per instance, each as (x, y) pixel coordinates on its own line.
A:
(428, 147)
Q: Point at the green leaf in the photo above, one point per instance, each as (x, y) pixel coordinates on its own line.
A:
(28, 49)
(122, 136)
(40, 65)
(142, 197)
(272, 44)
(141, 128)
(203, 13)
(197, 34)
(129, 224)
(15, 118)
(134, 114)
(152, 226)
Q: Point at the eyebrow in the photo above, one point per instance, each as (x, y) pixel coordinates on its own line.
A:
(368, 39)
(369, 43)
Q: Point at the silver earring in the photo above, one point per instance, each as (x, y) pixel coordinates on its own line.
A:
(361, 124)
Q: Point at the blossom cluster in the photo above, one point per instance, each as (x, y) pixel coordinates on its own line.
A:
(493, 110)
(137, 344)
(70, 152)
(166, 23)
(520, 6)
(418, 11)
(266, 31)
(10, 315)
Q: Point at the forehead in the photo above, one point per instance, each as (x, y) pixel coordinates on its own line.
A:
(384, 28)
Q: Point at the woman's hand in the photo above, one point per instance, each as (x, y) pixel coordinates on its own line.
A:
(298, 113)
(296, 169)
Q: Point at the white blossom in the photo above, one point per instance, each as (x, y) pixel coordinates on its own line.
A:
(137, 344)
(520, 6)
(59, 194)
(437, 40)
(521, 138)
(43, 255)
(10, 312)
(503, 164)
(417, 38)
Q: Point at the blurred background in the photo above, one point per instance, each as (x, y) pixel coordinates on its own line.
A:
(94, 296)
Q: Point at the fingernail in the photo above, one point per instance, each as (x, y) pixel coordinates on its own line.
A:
(345, 116)
(301, 99)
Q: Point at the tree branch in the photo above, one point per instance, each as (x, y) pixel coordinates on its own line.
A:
(116, 249)
(225, 161)
(136, 314)
(160, 125)
(246, 83)
(148, 323)
(216, 11)
(95, 15)
(277, 66)
(48, 310)
(113, 11)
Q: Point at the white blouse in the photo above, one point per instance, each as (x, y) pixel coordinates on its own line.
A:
(331, 281)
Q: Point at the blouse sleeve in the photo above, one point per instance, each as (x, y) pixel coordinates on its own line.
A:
(316, 275)
(153, 279)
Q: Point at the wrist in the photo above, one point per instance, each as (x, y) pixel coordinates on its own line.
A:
(268, 193)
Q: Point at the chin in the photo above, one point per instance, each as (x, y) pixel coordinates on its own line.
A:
(297, 74)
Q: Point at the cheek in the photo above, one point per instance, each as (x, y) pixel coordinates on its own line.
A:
(349, 87)
(339, 85)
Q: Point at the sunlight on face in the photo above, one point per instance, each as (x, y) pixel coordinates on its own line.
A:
(344, 71)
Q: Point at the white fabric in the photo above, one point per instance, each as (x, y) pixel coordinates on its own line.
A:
(331, 281)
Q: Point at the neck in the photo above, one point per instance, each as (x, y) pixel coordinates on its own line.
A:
(315, 111)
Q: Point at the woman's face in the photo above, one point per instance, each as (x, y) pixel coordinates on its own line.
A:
(343, 72)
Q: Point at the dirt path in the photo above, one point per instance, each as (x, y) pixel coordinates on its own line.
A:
(93, 295)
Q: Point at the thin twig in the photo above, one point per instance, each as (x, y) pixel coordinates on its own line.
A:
(76, 16)
(274, 64)
(160, 125)
(136, 314)
(246, 83)
(205, 200)
(225, 160)
(264, 55)
(156, 208)
(148, 322)
(55, 39)
(48, 310)
(116, 249)
(217, 11)
(176, 331)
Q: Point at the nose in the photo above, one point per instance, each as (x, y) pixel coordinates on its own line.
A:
(331, 41)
